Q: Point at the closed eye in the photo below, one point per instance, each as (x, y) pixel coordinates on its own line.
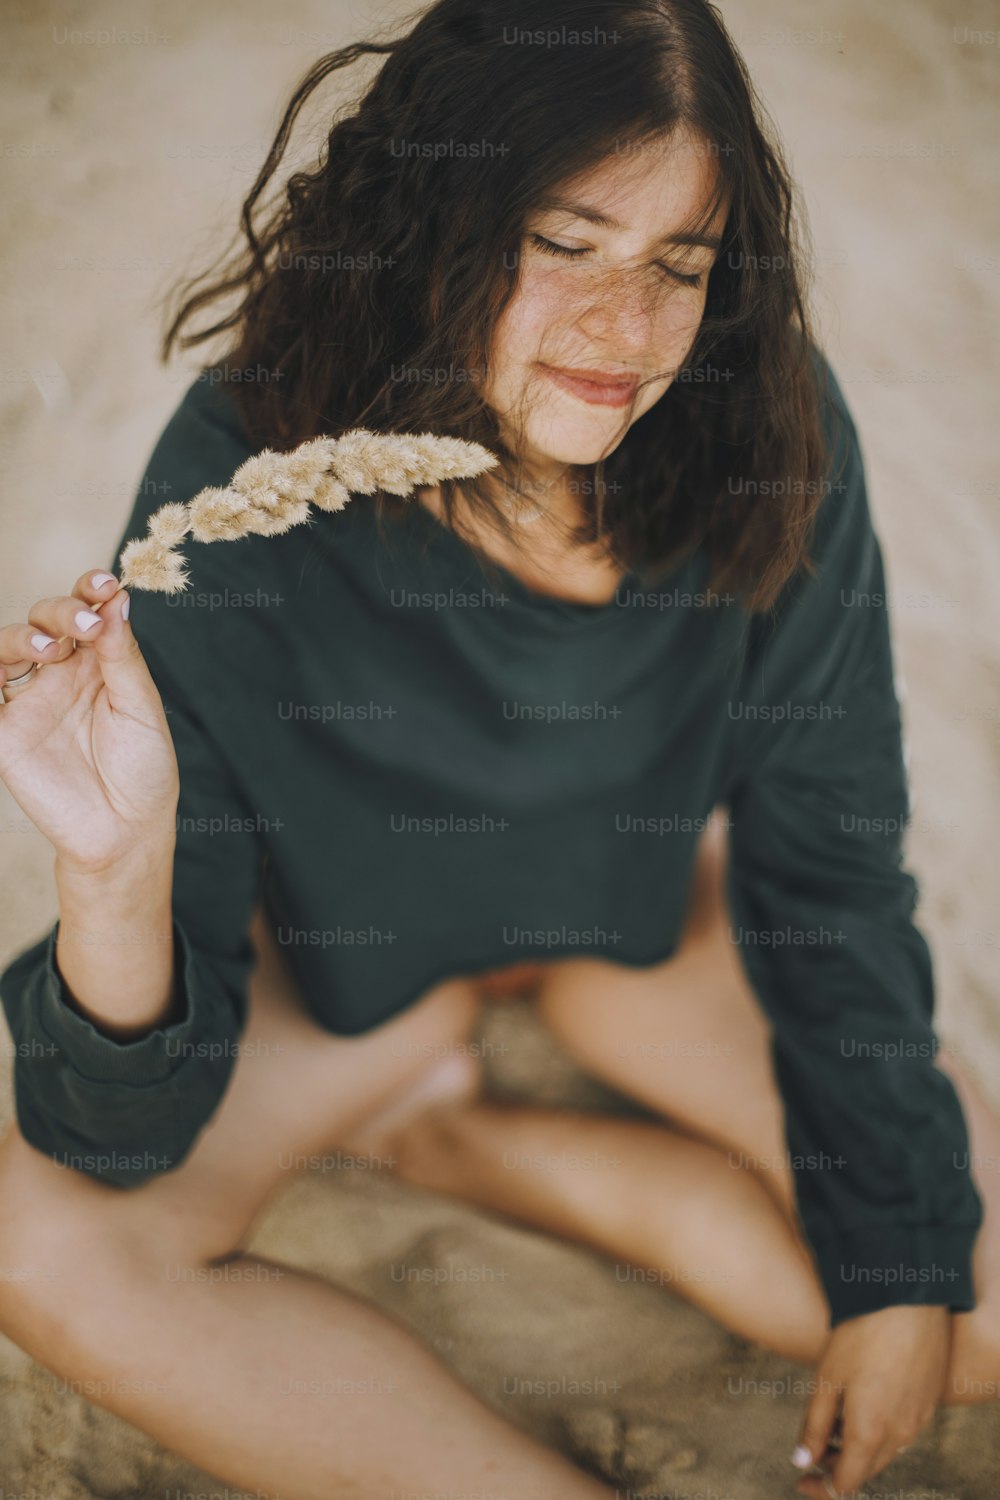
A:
(551, 247)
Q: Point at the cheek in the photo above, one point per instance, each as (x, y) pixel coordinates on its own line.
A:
(679, 318)
(676, 329)
(538, 309)
(541, 302)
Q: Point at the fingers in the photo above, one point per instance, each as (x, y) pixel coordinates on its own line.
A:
(56, 624)
(818, 1426)
(869, 1452)
(859, 1458)
(74, 616)
(94, 587)
(131, 689)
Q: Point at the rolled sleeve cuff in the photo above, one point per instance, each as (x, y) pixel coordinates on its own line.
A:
(119, 1111)
(151, 1058)
(864, 1270)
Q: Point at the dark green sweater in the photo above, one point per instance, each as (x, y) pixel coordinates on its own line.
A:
(421, 776)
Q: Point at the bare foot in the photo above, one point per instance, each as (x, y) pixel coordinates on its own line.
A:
(447, 1084)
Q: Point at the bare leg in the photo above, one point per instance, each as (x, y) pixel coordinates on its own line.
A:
(668, 1206)
(705, 1200)
(270, 1379)
(679, 1211)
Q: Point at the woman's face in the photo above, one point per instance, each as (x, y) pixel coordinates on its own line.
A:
(604, 313)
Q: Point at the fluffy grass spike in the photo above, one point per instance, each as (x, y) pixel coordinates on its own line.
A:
(272, 492)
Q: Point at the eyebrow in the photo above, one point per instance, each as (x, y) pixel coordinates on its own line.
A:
(594, 216)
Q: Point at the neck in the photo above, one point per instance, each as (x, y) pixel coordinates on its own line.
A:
(545, 499)
(554, 496)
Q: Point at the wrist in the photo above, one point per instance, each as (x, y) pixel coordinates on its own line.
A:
(128, 876)
(114, 946)
(134, 894)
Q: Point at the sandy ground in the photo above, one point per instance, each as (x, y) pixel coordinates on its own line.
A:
(123, 163)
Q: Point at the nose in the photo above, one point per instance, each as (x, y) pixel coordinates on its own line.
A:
(621, 314)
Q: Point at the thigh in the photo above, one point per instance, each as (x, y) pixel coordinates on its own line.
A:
(687, 1037)
(294, 1090)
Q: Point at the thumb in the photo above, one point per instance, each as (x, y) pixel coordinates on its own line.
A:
(130, 686)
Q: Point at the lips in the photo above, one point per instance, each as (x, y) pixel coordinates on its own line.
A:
(595, 387)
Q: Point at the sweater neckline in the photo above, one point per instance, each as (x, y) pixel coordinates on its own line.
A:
(522, 594)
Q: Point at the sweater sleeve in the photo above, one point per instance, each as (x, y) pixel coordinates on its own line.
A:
(124, 1111)
(823, 913)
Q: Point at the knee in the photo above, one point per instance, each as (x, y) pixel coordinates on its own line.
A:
(445, 1017)
(54, 1242)
(457, 1009)
(42, 1242)
(568, 1008)
(585, 1011)
(74, 1252)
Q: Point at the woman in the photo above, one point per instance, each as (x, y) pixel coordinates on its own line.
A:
(345, 755)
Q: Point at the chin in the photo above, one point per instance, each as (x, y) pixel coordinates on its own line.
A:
(581, 440)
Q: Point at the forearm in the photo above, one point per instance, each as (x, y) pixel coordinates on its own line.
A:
(115, 947)
(125, 1029)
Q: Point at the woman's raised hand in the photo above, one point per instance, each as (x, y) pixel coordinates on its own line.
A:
(85, 748)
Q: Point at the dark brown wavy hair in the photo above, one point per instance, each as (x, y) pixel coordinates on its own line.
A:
(389, 257)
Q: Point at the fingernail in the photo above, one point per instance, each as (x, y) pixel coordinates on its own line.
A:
(126, 606)
(85, 620)
(41, 641)
(100, 579)
(802, 1458)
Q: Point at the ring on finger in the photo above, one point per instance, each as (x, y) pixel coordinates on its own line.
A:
(23, 680)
